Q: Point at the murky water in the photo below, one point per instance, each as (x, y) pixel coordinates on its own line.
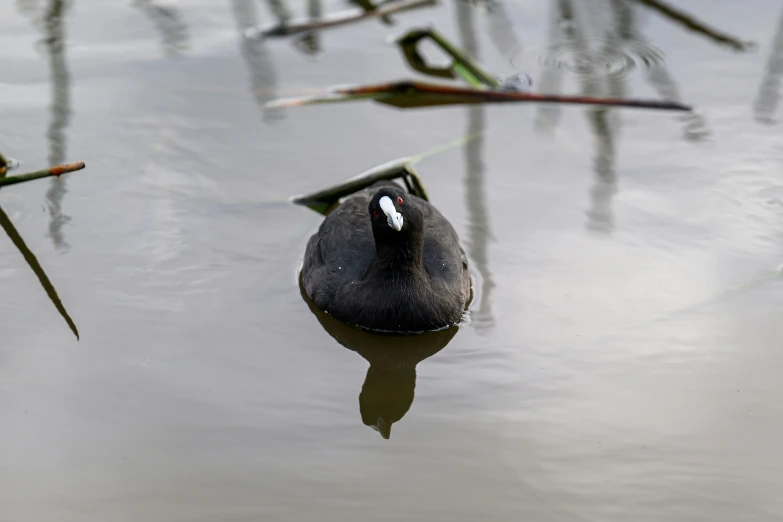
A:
(622, 359)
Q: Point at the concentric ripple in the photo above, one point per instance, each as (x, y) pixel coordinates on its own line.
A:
(601, 57)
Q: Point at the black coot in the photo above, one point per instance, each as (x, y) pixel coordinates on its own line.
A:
(385, 259)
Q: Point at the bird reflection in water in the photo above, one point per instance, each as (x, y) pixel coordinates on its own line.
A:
(389, 387)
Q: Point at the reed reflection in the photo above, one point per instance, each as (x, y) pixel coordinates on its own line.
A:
(601, 47)
(310, 43)
(548, 114)
(501, 30)
(479, 231)
(52, 24)
(257, 56)
(573, 36)
(170, 24)
(280, 11)
(55, 44)
(694, 128)
(605, 126)
(768, 97)
(389, 386)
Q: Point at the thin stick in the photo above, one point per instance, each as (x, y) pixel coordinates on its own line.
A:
(17, 240)
(408, 94)
(450, 94)
(45, 173)
(687, 20)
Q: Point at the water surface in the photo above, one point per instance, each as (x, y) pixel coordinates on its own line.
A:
(621, 361)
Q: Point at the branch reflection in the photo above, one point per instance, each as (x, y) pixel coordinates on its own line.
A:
(601, 45)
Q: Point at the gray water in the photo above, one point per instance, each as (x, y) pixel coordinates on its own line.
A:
(621, 360)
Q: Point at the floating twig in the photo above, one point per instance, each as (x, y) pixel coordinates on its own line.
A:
(58, 171)
(17, 240)
(338, 19)
(407, 94)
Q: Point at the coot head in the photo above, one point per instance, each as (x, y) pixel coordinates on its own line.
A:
(395, 216)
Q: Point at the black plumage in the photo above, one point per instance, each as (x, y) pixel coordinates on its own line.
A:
(363, 271)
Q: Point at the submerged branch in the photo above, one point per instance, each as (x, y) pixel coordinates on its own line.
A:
(17, 240)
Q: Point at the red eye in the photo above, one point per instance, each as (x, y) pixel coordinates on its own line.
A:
(399, 200)
(376, 213)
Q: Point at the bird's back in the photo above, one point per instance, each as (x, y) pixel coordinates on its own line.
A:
(342, 250)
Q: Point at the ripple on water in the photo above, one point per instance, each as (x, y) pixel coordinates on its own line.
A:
(601, 57)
